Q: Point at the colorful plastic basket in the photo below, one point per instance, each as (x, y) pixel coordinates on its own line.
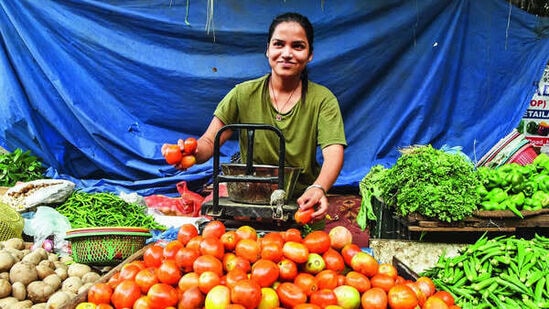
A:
(104, 246)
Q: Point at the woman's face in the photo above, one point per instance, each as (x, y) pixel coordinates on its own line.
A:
(288, 50)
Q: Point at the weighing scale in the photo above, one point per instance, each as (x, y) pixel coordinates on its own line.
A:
(255, 196)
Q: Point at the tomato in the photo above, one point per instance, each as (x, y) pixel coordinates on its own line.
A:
(125, 294)
(317, 242)
(382, 281)
(207, 280)
(208, 263)
(106, 306)
(271, 251)
(402, 297)
(304, 216)
(426, 285)
(146, 278)
(128, 271)
(188, 281)
(327, 279)
(100, 293)
(287, 270)
(306, 282)
(143, 302)
(246, 292)
(172, 153)
(214, 228)
(269, 299)
(191, 298)
(295, 251)
(364, 263)
(86, 305)
(212, 246)
(187, 161)
(246, 232)
(435, 303)
(333, 260)
(419, 293)
(307, 306)
(292, 234)
(235, 306)
(168, 272)
(171, 249)
(347, 296)
(290, 295)
(231, 261)
(153, 256)
(348, 251)
(229, 240)
(219, 297)
(340, 236)
(189, 145)
(162, 295)
(114, 280)
(186, 232)
(323, 298)
(388, 269)
(445, 296)
(194, 243)
(235, 275)
(272, 237)
(374, 298)
(264, 272)
(248, 249)
(184, 258)
(358, 281)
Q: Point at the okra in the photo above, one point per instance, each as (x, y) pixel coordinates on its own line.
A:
(538, 291)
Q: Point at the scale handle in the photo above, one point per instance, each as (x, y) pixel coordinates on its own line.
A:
(250, 128)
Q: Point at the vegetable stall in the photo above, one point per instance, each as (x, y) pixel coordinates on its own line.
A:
(115, 253)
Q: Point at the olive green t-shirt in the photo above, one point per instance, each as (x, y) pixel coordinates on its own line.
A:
(315, 122)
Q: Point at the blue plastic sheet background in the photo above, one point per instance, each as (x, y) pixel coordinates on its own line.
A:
(94, 88)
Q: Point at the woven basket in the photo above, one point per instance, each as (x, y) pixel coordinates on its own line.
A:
(11, 223)
(105, 246)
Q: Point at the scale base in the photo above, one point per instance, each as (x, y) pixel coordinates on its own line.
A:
(250, 214)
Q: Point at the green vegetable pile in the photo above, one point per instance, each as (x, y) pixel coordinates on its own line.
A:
(20, 166)
(105, 209)
(502, 272)
(428, 181)
(515, 187)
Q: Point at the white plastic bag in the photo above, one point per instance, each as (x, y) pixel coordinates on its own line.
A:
(48, 222)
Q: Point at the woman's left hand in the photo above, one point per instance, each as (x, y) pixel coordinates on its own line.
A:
(316, 199)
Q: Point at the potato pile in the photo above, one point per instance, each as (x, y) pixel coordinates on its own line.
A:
(38, 279)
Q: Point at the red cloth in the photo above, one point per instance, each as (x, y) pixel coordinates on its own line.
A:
(342, 210)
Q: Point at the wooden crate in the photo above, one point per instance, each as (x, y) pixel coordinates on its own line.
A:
(482, 221)
(83, 296)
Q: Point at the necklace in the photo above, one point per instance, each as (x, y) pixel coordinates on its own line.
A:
(278, 116)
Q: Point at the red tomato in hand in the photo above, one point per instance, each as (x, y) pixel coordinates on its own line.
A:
(303, 217)
(187, 161)
(172, 153)
(189, 145)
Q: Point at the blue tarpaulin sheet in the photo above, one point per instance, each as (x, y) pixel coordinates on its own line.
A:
(94, 88)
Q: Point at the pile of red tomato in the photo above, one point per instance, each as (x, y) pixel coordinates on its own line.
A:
(224, 269)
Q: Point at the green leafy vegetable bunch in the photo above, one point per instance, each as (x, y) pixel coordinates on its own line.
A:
(433, 183)
(18, 166)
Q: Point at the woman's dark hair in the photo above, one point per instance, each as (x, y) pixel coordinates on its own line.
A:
(309, 32)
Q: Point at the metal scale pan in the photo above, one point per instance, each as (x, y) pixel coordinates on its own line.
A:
(257, 194)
